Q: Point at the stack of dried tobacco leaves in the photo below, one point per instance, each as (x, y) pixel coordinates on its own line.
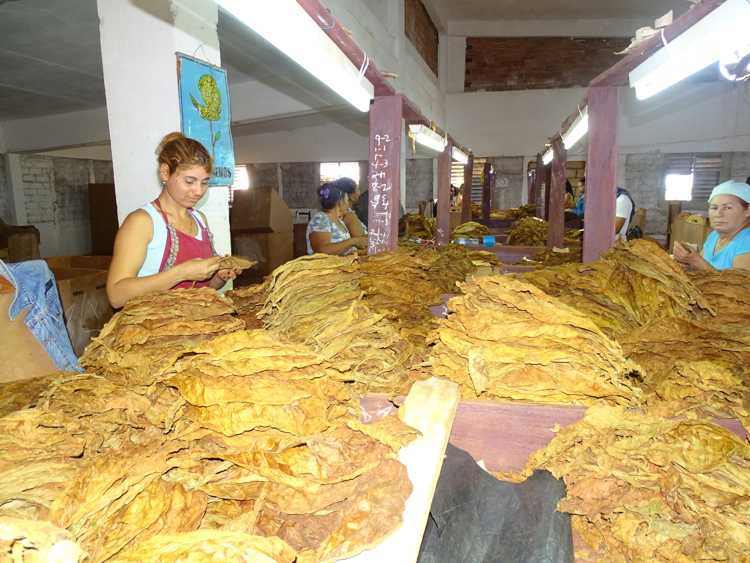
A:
(728, 293)
(417, 226)
(397, 285)
(507, 339)
(642, 488)
(632, 285)
(452, 263)
(317, 300)
(151, 332)
(248, 302)
(471, 229)
(246, 446)
(529, 231)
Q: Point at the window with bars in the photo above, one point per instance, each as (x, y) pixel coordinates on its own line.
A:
(691, 177)
(457, 174)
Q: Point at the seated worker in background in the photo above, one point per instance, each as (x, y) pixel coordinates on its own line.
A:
(326, 231)
(728, 244)
(353, 223)
(166, 244)
(624, 212)
(580, 201)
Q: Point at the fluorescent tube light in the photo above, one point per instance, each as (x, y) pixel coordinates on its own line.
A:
(547, 157)
(722, 31)
(460, 156)
(576, 132)
(286, 25)
(427, 137)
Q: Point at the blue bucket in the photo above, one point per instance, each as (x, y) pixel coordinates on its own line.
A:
(489, 241)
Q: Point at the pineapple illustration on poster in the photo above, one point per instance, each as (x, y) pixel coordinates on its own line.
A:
(204, 109)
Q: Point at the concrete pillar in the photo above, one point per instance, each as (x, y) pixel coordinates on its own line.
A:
(601, 173)
(444, 196)
(17, 204)
(556, 216)
(385, 172)
(466, 199)
(139, 39)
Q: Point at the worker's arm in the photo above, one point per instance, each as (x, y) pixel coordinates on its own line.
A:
(354, 225)
(619, 222)
(320, 241)
(129, 254)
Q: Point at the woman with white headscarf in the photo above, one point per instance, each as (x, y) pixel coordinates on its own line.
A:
(728, 244)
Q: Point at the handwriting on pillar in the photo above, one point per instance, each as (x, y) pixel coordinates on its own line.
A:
(381, 209)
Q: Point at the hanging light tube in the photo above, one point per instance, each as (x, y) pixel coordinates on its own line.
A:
(459, 156)
(286, 25)
(548, 156)
(722, 31)
(427, 137)
(577, 131)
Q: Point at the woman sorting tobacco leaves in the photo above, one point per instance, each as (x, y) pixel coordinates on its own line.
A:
(166, 244)
(351, 220)
(327, 233)
(728, 245)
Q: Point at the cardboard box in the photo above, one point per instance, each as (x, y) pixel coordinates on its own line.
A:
(85, 262)
(689, 233)
(83, 293)
(259, 209)
(271, 250)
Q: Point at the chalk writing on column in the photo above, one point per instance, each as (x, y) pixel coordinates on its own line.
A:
(380, 189)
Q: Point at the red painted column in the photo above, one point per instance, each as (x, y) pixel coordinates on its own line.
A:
(444, 196)
(556, 218)
(547, 189)
(538, 178)
(601, 173)
(486, 191)
(384, 177)
(466, 199)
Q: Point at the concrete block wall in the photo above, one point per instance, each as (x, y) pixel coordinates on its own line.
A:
(5, 196)
(55, 192)
(264, 174)
(644, 179)
(300, 182)
(419, 181)
(508, 189)
(738, 166)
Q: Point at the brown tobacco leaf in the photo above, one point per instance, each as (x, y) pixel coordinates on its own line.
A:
(507, 339)
(643, 488)
(389, 430)
(236, 263)
(728, 293)
(528, 231)
(31, 541)
(209, 546)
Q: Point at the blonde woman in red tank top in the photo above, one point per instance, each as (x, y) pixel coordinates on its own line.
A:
(187, 258)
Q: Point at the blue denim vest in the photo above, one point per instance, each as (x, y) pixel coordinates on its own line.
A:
(36, 289)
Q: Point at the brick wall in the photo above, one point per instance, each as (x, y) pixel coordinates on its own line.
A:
(421, 31)
(418, 181)
(103, 173)
(644, 179)
(5, 197)
(37, 175)
(529, 63)
(738, 164)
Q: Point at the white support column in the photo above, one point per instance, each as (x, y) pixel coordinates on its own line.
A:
(139, 40)
(15, 177)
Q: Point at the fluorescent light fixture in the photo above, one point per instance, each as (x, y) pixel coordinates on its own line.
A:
(679, 187)
(548, 156)
(427, 137)
(460, 156)
(576, 132)
(286, 25)
(722, 31)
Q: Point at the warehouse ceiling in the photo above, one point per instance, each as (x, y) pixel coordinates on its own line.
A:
(51, 61)
(555, 9)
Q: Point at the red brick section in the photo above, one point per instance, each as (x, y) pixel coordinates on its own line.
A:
(421, 31)
(530, 63)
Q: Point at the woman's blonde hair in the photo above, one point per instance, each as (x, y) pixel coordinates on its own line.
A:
(176, 150)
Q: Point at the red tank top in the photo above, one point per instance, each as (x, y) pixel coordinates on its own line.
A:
(182, 247)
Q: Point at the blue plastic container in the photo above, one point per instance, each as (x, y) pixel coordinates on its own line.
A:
(489, 241)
